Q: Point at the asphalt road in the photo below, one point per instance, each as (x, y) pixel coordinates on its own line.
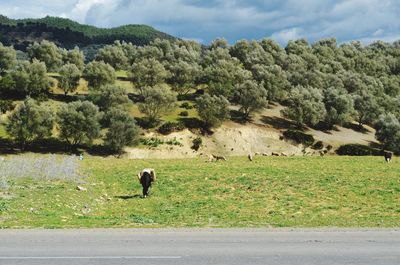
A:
(231, 247)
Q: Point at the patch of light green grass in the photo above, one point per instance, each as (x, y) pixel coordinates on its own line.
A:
(268, 192)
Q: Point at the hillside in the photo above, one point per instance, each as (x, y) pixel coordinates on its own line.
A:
(68, 34)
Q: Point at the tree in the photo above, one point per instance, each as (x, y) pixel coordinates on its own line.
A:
(213, 110)
(273, 79)
(366, 107)
(122, 130)
(148, 72)
(339, 106)
(30, 79)
(6, 105)
(30, 121)
(305, 106)
(46, 52)
(158, 100)
(113, 55)
(99, 74)
(75, 56)
(109, 96)
(8, 58)
(183, 76)
(79, 122)
(251, 97)
(388, 131)
(69, 78)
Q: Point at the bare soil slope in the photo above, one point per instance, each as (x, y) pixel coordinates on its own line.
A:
(262, 135)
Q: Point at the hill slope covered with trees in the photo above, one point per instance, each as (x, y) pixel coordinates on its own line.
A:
(67, 33)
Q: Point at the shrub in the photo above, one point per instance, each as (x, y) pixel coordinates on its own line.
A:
(152, 142)
(170, 127)
(318, 145)
(197, 142)
(299, 137)
(184, 113)
(186, 105)
(357, 150)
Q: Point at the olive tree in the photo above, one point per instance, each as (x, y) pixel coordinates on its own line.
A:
(8, 58)
(79, 122)
(122, 130)
(158, 100)
(148, 73)
(305, 106)
(388, 131)
(46, 52)
(99, 74)
(69, 77)
(213, 110)
(109, 96)
(30, 121)
(30, 78)
(251, 97)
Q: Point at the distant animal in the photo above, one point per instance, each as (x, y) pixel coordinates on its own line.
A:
(217, 158)
(388, 156)
(250, 157)
(275, 154)
(146, 177)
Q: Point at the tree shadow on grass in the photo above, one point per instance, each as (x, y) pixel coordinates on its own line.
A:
(128, 197)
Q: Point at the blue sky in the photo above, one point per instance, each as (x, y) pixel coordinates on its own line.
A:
(202, 20)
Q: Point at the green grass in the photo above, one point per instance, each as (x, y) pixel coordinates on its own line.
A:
(268, 192)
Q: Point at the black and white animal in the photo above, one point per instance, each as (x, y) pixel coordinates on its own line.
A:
(388, 156)
(146, 177)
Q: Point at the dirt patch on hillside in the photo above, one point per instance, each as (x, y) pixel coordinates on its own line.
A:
(262, 135)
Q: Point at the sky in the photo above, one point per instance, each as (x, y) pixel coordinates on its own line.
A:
(205, 20)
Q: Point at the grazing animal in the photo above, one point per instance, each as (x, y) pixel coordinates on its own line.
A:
(217, 158)
(275, 154)
(388, 156)
(146, 177)
(250, 157)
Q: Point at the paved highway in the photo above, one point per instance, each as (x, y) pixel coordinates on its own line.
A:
(199, 246)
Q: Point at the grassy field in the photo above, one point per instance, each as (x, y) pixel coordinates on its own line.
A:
(268, 192)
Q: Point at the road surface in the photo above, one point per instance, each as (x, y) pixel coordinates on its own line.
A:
(199, 246)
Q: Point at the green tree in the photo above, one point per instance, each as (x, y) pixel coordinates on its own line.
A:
(99, 74)
(148, 72)
(109, 96)
(388, 131)
(6, 105)
(75, 56)
(305, 106)
(30, 121)
(79, 122)
(183, 76)
(8, 58)
(339, 106)
(30, 78)
(69, 78)
(366, 107)
(46, 52)
(158, 100)
(213, 110)
(122, 130)
(113, 55)
(250, 97)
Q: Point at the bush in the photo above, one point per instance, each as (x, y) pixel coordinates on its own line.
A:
(170, 127)
(152, 142)
(357, 150)
(186, 105)
(197, 142)
(318, 145)
(184, 113)
(299, 137)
